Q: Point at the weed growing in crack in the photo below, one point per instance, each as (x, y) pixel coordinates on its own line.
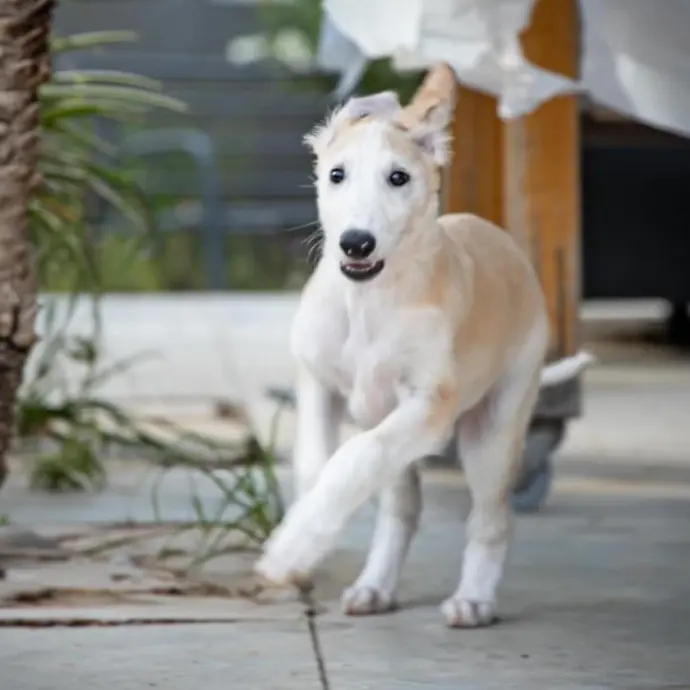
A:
(249, 503)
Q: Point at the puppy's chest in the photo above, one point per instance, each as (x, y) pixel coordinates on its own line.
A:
(373, 369)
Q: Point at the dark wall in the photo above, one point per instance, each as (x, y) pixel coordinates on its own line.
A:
(636, 220)
(636, 188)
(187, 27)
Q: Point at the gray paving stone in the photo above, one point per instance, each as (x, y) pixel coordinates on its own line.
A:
(596, 597)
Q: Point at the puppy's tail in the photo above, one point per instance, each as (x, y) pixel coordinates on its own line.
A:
(565, 369)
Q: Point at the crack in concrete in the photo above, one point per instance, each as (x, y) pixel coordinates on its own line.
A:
(310, 612)
(108, 623)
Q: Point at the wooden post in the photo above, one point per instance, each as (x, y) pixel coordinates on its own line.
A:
(474, 181)
(542, 173)
(525, 174)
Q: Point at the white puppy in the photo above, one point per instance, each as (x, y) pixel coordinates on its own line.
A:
(417, 322)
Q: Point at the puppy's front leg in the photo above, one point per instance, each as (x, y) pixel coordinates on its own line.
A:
(364, 464)
(319, 413)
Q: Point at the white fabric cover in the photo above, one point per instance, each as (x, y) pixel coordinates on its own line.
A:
(635, 53)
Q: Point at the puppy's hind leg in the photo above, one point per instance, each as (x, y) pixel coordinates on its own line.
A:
(400, 506)
(491, 438)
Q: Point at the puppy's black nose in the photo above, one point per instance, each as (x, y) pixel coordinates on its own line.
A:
(357, 244)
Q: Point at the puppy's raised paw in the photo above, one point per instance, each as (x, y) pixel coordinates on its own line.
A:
(360, 600)
(463, 613)
(272, 573)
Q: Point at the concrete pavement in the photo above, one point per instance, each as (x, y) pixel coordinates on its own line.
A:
(597, 595)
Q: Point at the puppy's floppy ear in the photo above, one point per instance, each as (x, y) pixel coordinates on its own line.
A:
(429, 113)
(383, 105)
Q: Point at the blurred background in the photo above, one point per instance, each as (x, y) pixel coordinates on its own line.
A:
(179, 225)
(205, 270)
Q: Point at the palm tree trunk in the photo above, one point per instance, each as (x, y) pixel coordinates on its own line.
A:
(24, 66)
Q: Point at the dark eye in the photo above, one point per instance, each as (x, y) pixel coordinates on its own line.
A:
(337, 175)
(398, 178)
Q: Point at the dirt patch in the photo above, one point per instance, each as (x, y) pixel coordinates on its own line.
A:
(114, 564)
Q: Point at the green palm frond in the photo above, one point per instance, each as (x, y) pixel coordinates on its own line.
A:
(72, 152)
(70, 425)
(90, 39)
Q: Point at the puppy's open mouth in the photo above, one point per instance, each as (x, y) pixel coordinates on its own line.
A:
(361, 270)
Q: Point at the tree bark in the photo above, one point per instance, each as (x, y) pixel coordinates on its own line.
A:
(24, 65)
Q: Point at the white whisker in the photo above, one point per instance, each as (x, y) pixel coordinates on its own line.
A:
(304, 226)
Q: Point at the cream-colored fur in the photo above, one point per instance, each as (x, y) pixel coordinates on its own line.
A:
(453, 330)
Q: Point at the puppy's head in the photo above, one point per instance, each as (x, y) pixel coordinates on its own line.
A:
(378, 172)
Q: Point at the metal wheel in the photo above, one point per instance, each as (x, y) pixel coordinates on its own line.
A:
(534, 484)
(533, 488)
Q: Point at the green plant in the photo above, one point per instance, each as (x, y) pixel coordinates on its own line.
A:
(304, 18)
(75, 174)
(62, 408)
(249, 505)
(60, 413)
(72, 165)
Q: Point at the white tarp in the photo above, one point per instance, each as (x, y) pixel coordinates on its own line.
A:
(635, 53)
